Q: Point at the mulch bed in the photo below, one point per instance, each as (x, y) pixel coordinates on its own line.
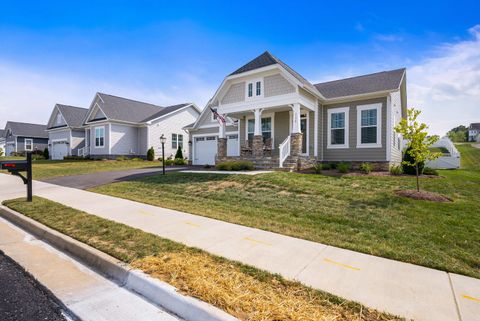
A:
(423, 195)
(336, 173)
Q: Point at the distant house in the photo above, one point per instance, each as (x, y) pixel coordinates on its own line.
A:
(116, 126)
(66, 135)
(2, 142)
(474, 132)
(22, 137)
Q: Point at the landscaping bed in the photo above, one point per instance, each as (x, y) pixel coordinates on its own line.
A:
(243, 291)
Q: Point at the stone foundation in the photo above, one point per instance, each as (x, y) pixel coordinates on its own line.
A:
(296, 144)
(257, 146)
(222, 147)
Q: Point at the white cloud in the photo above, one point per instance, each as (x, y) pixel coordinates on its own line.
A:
(29, 95)
(447, 87)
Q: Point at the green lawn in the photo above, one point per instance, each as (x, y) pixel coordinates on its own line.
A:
(470, 156)
(357, 212)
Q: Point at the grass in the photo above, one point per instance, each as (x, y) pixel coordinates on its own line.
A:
(243, 291)
(49, 168)
(360, 213)
(442, 150)
(470, 156)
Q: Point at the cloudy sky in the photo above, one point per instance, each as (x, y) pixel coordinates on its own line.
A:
(56, 52)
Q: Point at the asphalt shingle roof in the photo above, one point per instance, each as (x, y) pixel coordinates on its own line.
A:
(474, 126)
(381, 81)
(73, 115)
(27, 129)
(2, 133)
(166, 110)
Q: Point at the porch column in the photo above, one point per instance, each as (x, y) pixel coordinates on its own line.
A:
(222, 141)
(296, 135)
(257, 144)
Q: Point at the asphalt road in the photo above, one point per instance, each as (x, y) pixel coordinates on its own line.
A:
(22, 298)
(86, 181)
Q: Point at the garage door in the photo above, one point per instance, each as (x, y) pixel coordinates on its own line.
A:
(59, 150)
(204, 150)
(232, 145)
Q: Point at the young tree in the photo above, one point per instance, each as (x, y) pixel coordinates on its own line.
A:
(150, 154)
(179, 153)
(418, 141)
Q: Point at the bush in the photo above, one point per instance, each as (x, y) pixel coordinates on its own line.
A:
(46, 153)
(74, 158)
(333, 165)
(430, 171)
(179, 153)
(169, 162)
(366, 168)
(136, 159)
(121, 158)
(408, 169)
(318, 168)
(343, 167)
(1, 151)
(207, 166)
(396, 170)
(235, 166)
(179, 161)
(151, 154)
(37, 157)
(326, 167)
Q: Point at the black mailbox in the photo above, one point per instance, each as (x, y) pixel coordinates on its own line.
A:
(17, 166)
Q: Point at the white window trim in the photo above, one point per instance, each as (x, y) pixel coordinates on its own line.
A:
(95, 137)
(331, 111)
(265, 115)
(31, 144)
(254, 89)
(360, 108)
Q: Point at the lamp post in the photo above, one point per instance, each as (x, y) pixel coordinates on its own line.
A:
(163, 140)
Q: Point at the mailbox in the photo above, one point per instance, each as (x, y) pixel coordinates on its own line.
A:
(17, 166)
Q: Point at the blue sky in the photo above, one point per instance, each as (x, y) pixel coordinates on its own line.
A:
(180, 51)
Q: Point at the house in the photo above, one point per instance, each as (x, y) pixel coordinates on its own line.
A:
(22, 137)
(2, 142)
(277, 118)
(116, 126)
(474, 132)
(66, 135)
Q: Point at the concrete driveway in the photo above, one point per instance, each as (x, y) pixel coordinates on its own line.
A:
(86, 181)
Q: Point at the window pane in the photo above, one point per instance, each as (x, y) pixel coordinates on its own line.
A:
(174, 141)
(338, 120)
(250, 90)
(251, 125)
(369, 135)
(259, 88)
(250, 136)
(338, 137)
(266, 124)
(180, 140)
(101, 141)
(369, 117)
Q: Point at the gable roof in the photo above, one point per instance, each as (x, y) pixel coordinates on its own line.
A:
(27, 129)
(474, 126)
(380, 81)
(166, 110)
(72, 115)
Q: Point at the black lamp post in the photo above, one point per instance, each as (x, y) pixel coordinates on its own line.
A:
(163, 140)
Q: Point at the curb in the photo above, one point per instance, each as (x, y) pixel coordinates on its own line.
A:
(154, 290)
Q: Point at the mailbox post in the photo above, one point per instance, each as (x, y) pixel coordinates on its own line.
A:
(16, 166)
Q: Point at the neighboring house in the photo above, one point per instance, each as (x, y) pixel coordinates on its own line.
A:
(116, 126)
(22, 137)
(2, 142)
(474, 132)
(276, 118)
(66, 135)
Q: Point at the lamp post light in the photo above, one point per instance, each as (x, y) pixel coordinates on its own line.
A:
(163, 140)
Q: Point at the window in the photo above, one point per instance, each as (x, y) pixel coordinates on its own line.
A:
(338, 128)
(180, 140)
(258, 88)
(266, 128)
(28, 144)
(254, 89)
(250, 90)
(174, 141)
(368, 125)
(59, 119)
(99, 136)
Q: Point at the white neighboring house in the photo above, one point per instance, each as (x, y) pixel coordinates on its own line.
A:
(474, 132)
(450, 160)
(2, 142)
(116, 126)
(66, 135)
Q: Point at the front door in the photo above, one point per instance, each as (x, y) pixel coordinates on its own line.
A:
(304, 130)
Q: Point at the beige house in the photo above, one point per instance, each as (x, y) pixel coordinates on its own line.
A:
(277, 118)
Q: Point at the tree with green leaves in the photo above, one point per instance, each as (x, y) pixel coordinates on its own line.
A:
(150, 154)
(419, 142)
(179, 153)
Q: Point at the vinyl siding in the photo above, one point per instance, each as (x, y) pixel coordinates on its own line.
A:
(142, 140)
(38, 143)
(59, 135)
(78, 141)
(396, 110)
(281, 128)
(275, 85)
(352, 153)
(311, 133)
(234, 94)
(124, 140)
(99, 150)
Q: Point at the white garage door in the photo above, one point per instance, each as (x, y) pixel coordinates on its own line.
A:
(59, 150)
(204, 150)
(232, 145)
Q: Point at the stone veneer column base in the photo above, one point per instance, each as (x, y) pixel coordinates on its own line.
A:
(222, 148)
(257, 146)
(296, 144)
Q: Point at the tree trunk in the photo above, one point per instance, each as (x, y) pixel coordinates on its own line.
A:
(418, 185)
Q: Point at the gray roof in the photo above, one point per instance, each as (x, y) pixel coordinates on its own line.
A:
(27, 129)
(381, 81)
(267, 59)
(474, 126)
(124, 109)
(73, 116)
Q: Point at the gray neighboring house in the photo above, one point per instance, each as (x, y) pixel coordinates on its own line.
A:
(277, 118)
(116, 126)
(66, 135)
(474, 132)
(2, 142)
(21, 137)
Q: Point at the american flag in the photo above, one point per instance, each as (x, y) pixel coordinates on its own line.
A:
(218, 116)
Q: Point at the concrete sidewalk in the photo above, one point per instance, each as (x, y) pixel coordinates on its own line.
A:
(85, 293)
(399, 288)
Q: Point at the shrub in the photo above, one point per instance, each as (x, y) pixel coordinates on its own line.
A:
(179, 153)
(207, 166)
(366, 168)
(235, 166)
(343, 167)
(409, 169)
(137, 159)
(318, 168)
(396, 170)
(37, 157)
(151, 154)
(179, 161)
(430, 171)
(326, 167)
(169, 162)
(121, 158)
(72, 157)
(46, 153)
(333, 165)
(1, 151)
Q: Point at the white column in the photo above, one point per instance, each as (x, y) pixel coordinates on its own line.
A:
(258, 122)
(222, 130)
(296, 128)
